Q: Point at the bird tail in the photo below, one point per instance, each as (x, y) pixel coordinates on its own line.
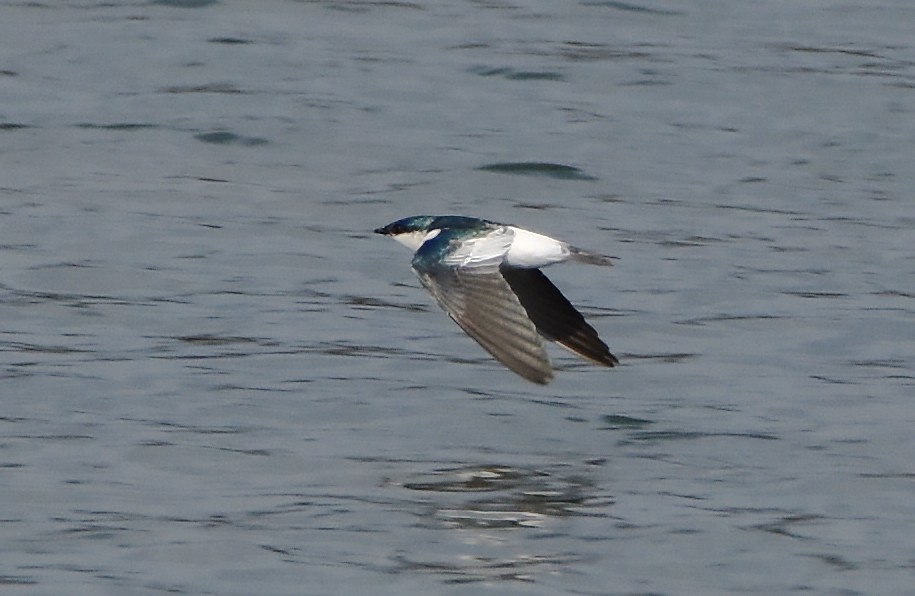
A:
(591, 258)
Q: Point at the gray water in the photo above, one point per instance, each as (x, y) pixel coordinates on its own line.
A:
(216, 380)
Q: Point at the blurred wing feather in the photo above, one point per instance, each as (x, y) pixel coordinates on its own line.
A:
(483, 304)
(484, 251)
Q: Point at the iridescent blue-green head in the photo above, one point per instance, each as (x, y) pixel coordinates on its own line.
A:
(413, 231)
(407, 225)
(409, 231)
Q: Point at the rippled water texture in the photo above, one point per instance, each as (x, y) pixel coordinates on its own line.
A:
(215, 380)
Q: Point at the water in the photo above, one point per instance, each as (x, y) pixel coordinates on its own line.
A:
(215, 379)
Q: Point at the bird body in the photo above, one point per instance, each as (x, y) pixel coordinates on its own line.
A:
(487, 277)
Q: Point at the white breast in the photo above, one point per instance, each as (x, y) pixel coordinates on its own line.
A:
(413, 240)
(530, 250)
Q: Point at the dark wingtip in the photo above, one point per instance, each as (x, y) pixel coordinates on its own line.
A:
(597, 354)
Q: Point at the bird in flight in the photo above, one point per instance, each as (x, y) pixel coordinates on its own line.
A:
(487, 277)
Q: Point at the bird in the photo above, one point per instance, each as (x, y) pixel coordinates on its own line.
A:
(486, 276)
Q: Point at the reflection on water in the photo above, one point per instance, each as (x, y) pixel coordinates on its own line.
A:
(508, 497)
(486, 569)
(488, 500)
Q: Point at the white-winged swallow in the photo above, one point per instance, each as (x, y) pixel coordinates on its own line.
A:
(487, 277)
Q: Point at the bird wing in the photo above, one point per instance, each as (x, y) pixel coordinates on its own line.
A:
(554, 316)
(481, 302)
(479, 252)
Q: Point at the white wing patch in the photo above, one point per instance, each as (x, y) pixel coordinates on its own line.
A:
(483, 251)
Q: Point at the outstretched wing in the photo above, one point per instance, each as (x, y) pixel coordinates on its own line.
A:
(554, 316)
(467, 283)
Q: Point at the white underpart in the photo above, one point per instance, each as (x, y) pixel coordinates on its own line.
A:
(530, 250)
(413, 240)
(515, 246)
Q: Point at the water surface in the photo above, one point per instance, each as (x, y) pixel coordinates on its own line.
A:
(215, 379)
